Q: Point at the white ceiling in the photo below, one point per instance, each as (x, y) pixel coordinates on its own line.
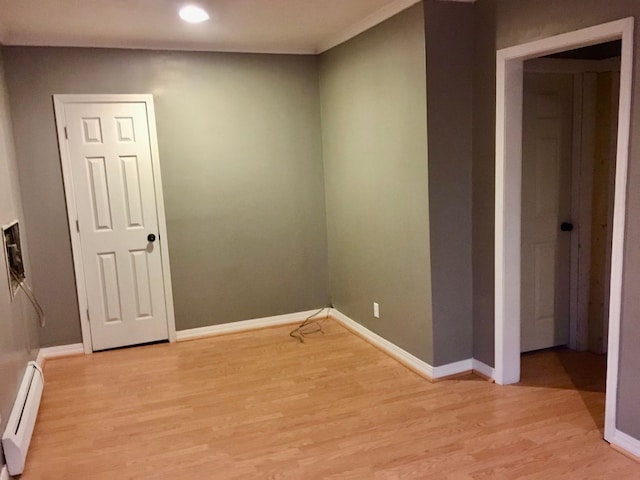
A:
(267, 26)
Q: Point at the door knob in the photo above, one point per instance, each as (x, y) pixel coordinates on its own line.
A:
(566, 226)
(151, 237)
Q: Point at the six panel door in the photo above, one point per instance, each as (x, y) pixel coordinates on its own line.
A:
(546, 203)
(113, 183)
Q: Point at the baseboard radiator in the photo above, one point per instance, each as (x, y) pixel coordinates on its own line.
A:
(17, 435)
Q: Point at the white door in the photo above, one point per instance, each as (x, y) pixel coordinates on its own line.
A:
(546, 204)
(112, 174)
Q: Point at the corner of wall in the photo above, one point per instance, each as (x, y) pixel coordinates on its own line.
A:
(373, 108)
(449, 34)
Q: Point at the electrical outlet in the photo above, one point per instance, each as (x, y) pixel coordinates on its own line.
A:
(376, 310)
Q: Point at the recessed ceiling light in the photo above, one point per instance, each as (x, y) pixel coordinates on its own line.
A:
(193, 14)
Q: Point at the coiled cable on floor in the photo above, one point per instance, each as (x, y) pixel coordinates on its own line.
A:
(310, 326)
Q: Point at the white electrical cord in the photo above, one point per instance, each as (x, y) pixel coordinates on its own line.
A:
(31, 296)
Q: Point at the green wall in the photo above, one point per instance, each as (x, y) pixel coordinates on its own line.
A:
(374, 137)
(241, 159)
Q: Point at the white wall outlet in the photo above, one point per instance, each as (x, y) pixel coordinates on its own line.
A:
(376, 310)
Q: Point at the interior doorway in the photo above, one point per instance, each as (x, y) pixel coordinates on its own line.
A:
(546, 205)
(509, 197)
(570, 110)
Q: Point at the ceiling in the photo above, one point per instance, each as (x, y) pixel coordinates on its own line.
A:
(265, 26)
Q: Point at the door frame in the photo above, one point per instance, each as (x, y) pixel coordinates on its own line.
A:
(583, 72)
(59, 102)
(508, 189)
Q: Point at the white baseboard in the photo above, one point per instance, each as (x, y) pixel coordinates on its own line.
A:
(407, 359)
(455, 368)
(59, 351)
(411, 361)
(244, 325)
(626, 442)
(4, 474)
(482, 368)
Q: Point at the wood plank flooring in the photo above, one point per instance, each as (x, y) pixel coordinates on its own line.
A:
(261, 405)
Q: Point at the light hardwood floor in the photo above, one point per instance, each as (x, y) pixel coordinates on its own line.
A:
(260, 405)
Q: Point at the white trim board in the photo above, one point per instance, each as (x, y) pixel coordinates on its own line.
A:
(59, 102)
(412, 362)
(246, 325)
(625, 442)
(407, 359)
(60, 351)
(38, 40)
(509, 88)
(455, 368)
(483, 369)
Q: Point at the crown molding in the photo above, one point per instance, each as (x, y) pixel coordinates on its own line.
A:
(366, 23)
(371, 21)
(44, 41)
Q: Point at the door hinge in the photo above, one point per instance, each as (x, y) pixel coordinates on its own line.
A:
(88, 316)
(66, 134)
(77, 226)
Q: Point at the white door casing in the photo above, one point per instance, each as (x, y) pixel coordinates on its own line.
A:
(509, 91)
(546, 203)
(111, 172)
(615, 94)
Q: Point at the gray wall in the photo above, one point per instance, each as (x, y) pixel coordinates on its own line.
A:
(241, 159)
(373, 98)
(18, 322)
(504, 23)
(449, 45)
(483, 168)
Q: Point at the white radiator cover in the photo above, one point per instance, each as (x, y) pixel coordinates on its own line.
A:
(17, 434)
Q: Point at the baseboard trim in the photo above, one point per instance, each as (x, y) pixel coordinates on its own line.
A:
(626, 444)
(482, 369)
(4, 474)
(243, 326)
(410, 361)
(453, 369)
(60, 351)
